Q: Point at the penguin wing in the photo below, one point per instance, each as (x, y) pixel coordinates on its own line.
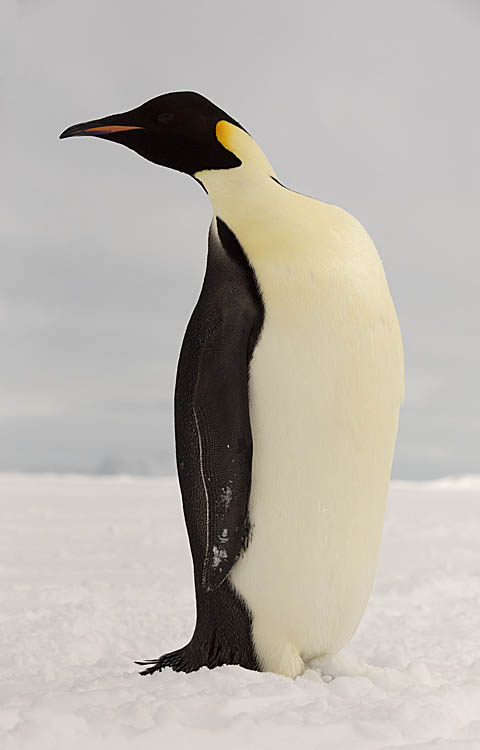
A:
(222, 423)
(212, 420)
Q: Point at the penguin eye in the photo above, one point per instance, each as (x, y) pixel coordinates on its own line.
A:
(164, 118)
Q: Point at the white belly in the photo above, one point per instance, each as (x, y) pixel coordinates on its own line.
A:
(326, 382)
(324, 399)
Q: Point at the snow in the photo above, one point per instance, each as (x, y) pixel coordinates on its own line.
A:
(96, 572)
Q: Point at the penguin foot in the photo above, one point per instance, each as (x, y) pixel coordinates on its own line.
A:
(181, 660)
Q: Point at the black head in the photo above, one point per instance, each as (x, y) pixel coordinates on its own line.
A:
(176, 130)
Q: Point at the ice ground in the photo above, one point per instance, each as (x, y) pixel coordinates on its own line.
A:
(95, 573)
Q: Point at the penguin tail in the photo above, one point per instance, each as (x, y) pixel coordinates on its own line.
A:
(182, 660)
(197, 654)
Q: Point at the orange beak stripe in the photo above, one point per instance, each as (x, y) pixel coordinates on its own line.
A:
(112, 129)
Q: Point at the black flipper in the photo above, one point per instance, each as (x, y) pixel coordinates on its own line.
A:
(214, 451)
(225, 444)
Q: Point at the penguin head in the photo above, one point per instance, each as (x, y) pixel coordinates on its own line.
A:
(181, 130)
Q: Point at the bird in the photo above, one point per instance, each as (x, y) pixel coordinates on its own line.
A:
(288, 390)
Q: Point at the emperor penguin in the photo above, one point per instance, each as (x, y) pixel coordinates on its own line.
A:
(287, 396)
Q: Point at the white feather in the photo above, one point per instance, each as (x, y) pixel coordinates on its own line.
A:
(326, 383)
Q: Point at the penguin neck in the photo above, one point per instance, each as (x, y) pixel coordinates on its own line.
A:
(240, 193)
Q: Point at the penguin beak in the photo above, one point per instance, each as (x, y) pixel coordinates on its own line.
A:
(105, 127)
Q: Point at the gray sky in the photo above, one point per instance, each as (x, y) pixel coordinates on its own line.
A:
(371, 105)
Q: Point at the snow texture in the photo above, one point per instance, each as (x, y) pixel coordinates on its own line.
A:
(96, 572)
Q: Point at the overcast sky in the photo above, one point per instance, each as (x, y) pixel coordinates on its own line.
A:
(371, 105)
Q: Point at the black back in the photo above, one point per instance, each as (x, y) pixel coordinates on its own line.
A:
(214, 442)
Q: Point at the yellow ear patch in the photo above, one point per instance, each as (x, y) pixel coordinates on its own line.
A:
(224, 133)
(237, 140)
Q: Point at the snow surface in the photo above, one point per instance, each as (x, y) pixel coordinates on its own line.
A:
(96, 572)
